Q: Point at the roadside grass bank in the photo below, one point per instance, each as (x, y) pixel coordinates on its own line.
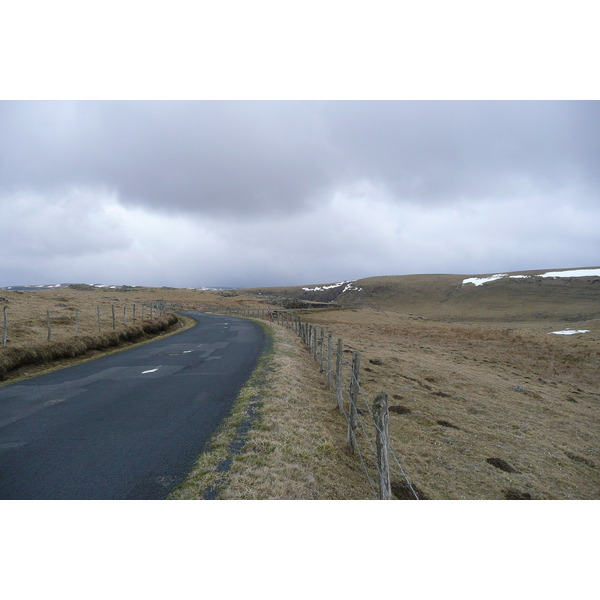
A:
(284, 440)
(19, 362)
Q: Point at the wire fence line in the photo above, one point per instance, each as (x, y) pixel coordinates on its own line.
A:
(69, 317)
(366, 438)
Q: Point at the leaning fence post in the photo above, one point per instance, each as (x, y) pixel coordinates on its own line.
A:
(382, 419)
(353, 412)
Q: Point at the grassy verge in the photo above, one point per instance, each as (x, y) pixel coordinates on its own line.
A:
(283, 440)
(22, 362)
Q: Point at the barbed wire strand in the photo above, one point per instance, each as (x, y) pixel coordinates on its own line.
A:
(387, 442)
(391, 450)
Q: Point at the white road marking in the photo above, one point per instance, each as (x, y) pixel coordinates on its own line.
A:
(151, 370)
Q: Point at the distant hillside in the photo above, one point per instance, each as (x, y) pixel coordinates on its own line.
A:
(563, 294)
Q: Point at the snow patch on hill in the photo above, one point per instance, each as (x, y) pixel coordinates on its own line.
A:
(322, 288)
(553, 274)
(569, 331)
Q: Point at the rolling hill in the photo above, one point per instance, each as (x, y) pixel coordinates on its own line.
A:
(562, 294)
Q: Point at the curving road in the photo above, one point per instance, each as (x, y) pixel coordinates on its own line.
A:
(129, 425)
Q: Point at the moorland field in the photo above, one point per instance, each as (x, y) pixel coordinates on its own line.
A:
(486, 401)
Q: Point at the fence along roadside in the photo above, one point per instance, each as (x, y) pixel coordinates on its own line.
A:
(379, 411)
(157, 309)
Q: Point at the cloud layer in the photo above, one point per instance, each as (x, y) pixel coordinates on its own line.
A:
(267, 193)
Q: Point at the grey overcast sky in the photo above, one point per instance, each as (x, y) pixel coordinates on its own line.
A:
(245, 193)
(140, 147)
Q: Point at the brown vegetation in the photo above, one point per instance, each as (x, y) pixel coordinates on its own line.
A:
(14, 358)
(476, 398)
(77, 306)
(296, 448)
(485, 403)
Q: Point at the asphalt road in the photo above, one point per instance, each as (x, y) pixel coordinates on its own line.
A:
(125, 426)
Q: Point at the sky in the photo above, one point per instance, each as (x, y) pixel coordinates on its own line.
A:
(256, 145)
(255, 193)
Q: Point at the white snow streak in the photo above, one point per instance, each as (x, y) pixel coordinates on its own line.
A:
(572, 273)
(569, 331)
(575, 273)
(322, 288)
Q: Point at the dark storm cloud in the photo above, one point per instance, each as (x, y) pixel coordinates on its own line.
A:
(248, 158)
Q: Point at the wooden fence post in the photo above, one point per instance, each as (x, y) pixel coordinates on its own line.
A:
(125, 314)
(322, 350)
(48, 324)
(112, 306)
(4, 329)
(134, 312)
(382, 419)
(329, 356)
(98, 311)
(353, 412)
(338, 377)
(76, 321)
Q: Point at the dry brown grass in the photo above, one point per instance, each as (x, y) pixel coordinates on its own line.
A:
(15, 359)
(464, 393)
(469, 393)
(27, 340)
(296, 448)
(27, 309)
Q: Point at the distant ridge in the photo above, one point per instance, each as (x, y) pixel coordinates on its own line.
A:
(567, 294)
(58, 286)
